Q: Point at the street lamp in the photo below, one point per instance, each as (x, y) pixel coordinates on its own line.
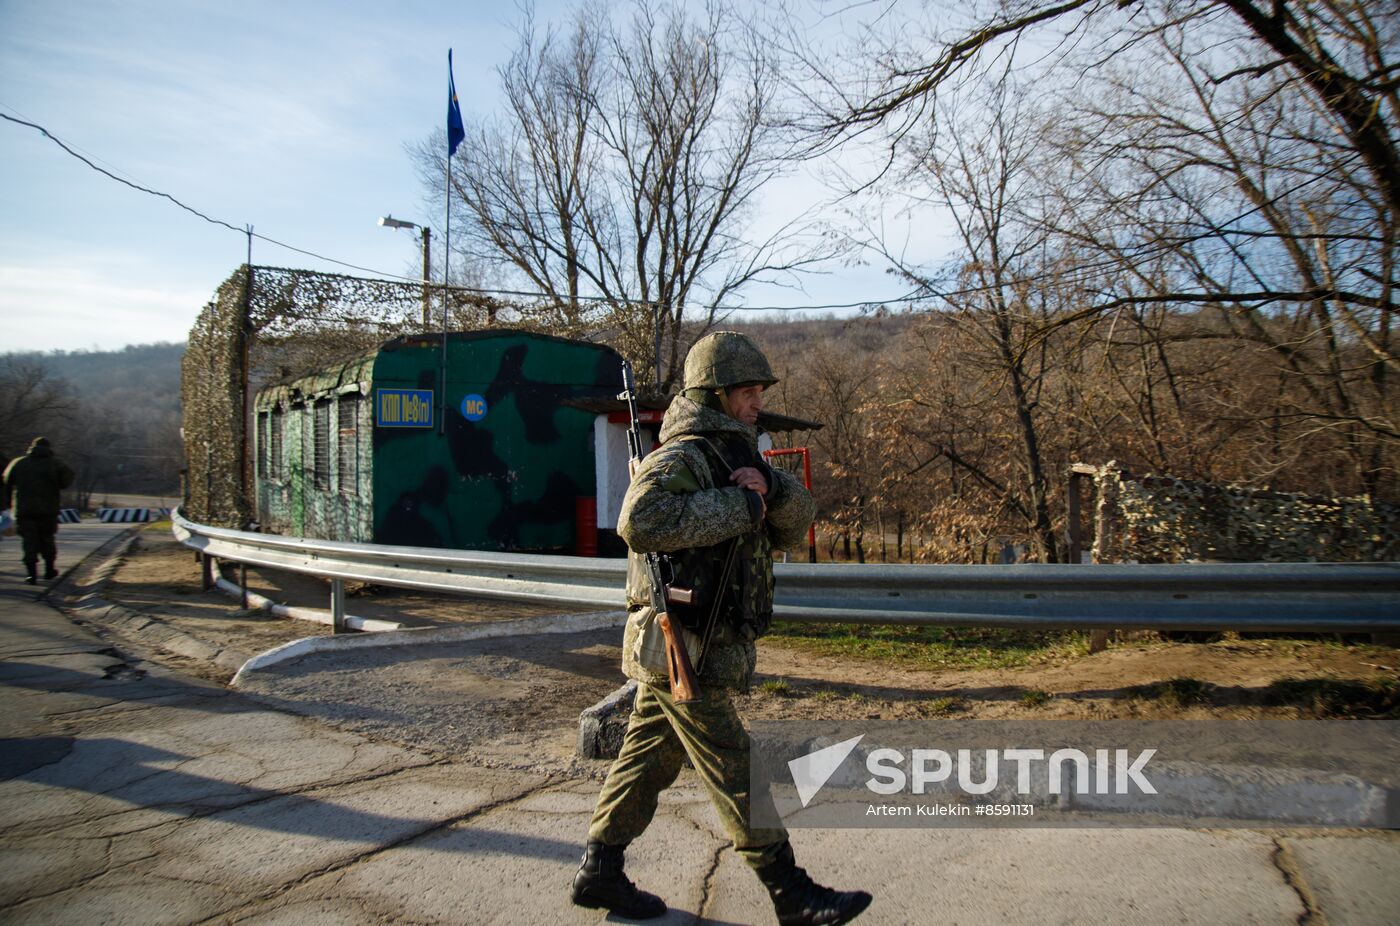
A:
(388, 221)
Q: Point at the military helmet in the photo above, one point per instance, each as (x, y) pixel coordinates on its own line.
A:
(726, 358)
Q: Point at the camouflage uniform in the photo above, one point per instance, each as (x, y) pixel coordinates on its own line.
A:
(681, 499)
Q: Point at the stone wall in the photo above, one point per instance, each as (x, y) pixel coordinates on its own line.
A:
(1160, 519)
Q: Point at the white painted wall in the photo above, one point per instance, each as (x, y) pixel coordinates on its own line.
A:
(610, 458)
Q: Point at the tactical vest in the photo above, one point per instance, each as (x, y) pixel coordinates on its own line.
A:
(737, 572)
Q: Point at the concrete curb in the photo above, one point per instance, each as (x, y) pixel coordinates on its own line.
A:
(88, 576)
(79, 595)
(564, 623)
(1302, 797)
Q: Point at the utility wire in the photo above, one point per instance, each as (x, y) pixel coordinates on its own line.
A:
(110, 166)
(107, 173)
(213, 221)
(378, 273)
(924, 292)
(405, 279)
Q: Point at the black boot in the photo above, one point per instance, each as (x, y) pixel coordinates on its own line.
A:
(49, 571)
(800, 901)
(31, 575)
(600, 883)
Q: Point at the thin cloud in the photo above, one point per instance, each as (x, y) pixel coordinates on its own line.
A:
(95, 309)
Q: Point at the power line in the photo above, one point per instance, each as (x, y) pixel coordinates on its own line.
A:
(110, 166)
(213, 221)
(382, 274)
(332, 260)
(107, 173)
(924, 292)
(912, 296)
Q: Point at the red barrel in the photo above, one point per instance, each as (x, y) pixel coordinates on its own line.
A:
(585, 526)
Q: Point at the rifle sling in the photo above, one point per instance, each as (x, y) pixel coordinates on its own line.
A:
(712, 620)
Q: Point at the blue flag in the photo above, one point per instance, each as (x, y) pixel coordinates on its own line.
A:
(455, 131)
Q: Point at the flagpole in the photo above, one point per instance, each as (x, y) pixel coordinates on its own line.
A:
(446, 266)
(454, 137)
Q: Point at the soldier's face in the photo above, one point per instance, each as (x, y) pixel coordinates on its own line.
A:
(745, 402)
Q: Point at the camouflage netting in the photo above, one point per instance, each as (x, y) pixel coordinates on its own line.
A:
(288, 323)
(1159, 519)
(212, 401)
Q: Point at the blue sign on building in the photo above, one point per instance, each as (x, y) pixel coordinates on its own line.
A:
(403, 408)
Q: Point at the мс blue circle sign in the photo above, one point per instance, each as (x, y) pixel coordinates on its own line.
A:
(473, 408)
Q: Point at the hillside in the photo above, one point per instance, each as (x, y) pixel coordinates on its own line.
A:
(146, 374)
(114, 416)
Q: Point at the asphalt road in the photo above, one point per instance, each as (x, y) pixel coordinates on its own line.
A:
(133, 794)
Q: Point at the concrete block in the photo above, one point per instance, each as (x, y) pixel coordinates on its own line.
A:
(36, 866)
(1197, 792)
(601, 727)
(126, 899)
(321, 830)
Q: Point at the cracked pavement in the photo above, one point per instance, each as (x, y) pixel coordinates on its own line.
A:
(133, 794)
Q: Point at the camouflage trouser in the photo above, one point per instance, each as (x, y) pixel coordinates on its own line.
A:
(660, 735)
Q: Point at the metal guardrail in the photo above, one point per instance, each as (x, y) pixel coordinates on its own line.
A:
(1278, 597)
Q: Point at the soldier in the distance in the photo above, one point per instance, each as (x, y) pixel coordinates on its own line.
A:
(705, 497)
(33, 482)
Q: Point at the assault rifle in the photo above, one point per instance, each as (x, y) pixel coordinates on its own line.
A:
(685, 687)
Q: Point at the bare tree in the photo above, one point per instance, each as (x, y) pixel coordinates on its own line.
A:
(31, 401)
(980, 161)
(97, 442)
(622, 176)
(1225, 171)
(1231, 195)
(1337, 51)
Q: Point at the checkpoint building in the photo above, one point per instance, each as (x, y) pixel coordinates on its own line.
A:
(524, 451)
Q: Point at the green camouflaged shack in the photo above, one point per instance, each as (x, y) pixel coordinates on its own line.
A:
(369, 451)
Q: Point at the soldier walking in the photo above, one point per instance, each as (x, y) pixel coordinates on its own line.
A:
(34, 482)
(707, 499)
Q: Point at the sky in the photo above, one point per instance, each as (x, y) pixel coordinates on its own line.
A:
(290, 116)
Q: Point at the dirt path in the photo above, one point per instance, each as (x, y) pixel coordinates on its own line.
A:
(1150, 679)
